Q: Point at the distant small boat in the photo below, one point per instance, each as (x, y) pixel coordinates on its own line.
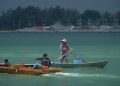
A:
(27, 70)
(99, 64)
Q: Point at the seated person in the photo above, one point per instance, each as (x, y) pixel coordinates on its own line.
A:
(45, 62)
(6, 63)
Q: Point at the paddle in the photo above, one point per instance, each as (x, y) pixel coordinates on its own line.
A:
(63, 55)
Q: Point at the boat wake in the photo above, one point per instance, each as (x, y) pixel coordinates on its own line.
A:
(61, 74)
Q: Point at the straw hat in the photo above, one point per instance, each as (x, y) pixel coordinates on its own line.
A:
(63, 40)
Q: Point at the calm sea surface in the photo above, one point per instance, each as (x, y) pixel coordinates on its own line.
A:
(25, 47)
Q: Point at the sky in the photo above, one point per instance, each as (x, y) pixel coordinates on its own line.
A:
(81, 5)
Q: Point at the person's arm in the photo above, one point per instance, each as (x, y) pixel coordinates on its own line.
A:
(39, 58)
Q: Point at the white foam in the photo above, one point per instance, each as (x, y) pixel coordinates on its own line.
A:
(67, 74)
(60, 74)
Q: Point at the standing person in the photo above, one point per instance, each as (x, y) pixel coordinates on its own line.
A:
(64, 48)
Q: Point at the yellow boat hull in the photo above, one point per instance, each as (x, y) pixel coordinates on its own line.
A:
(28, 70)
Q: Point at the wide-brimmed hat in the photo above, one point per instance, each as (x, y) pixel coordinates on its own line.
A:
(63, 40)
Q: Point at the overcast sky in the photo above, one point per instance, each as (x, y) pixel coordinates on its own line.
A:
(81, 5)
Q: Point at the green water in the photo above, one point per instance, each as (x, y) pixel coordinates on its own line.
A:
(25, 47)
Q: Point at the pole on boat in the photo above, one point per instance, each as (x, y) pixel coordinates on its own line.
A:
(63, 55)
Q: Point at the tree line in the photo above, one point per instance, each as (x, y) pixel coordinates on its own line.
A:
(35, 16)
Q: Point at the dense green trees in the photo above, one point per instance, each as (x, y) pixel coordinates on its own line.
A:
(34, 16)
(90, 16)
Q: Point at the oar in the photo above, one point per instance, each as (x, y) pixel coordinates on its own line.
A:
(63, 55)
(77, 56)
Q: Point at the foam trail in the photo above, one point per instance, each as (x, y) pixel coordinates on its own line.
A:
(60, 74)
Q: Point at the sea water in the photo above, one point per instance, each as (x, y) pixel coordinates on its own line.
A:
(25, 47)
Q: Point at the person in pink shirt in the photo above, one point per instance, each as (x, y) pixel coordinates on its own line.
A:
(65, 49)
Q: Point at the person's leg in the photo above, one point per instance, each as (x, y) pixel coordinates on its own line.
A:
(66, 59)
(37, 65)
(62, 59)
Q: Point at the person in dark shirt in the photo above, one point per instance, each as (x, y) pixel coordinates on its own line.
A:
(6, 63)
(45, 62)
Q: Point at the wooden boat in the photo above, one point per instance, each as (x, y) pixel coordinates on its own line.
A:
(27, 70)
(99, 64)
